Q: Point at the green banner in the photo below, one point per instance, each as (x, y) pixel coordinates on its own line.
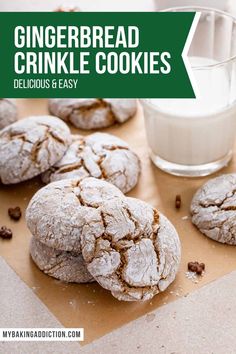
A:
(105, 55)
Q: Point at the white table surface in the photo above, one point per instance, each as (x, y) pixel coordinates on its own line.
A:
(112, 5)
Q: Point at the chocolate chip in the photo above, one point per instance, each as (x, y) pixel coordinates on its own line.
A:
(199, 270)
(14, 213)
(178, 201)
(196, 267)
(192, 266)
(202, 265)
(5, 233)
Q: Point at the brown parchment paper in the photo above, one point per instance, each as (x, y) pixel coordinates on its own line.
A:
(90, 306)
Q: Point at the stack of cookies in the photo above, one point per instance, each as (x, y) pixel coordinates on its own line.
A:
(87, 229)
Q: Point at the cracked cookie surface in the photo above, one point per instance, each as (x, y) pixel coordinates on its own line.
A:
(213, 209)
(138, 254)
(60, 212)
(8, 113)
(62, 265)
(101, 156)
(30, 146)
(128, 247)
(93, 113)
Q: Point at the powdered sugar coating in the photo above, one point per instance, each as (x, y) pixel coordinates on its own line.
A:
(30, 146)
(129, 248)
(138, 254)
(65, 266)
(213, 209)
(92, 113)
(60, 212)
(101, 156)
(8, 113)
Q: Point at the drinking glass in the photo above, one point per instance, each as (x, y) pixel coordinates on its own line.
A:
(195, 137)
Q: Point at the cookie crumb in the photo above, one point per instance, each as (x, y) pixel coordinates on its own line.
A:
(192, 276)
(186, 217)
(5, 233)
(196, 267)
(14, 213)
(178, 201)
(67, 9)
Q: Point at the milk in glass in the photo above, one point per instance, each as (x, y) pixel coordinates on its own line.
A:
(194, 131)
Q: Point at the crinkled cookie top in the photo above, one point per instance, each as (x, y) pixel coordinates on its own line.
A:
(213, 209)
(138, 254)
(60, 212)
(92, 113)
(31, 146)
(129, 248)
(101, 156)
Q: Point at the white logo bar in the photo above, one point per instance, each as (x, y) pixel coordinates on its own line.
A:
(41, 334)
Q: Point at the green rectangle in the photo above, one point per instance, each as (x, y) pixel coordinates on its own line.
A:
(158, 32)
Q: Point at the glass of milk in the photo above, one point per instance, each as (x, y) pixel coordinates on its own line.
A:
(195, 137)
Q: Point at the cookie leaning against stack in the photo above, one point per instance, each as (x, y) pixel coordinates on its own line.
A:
(127, 246)
(101, 156)
(31, 146)
(92, 113)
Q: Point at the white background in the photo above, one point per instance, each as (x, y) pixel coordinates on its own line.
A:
(112, 5)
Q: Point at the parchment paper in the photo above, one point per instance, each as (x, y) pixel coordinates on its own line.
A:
(90, 306)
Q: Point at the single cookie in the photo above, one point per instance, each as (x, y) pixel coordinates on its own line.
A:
(31, 146)
(65, 266)
(8, 113)
(138, 254)
(98, 155)
(213, 209)
(60, 212)
(93, 113)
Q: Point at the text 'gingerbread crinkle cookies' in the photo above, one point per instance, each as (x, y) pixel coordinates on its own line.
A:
(8, 113)
(93, 113)
(31, 146)
(65, 266)
(128, 247)
(101, 156)
(213, 209)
